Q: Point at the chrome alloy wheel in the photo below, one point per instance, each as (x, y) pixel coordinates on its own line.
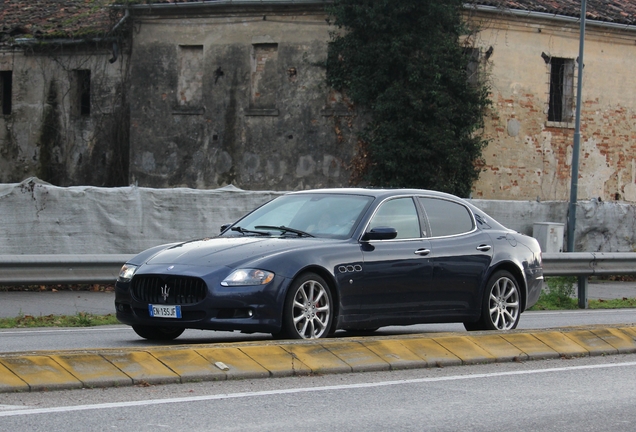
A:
(504, 304)
(311, 310)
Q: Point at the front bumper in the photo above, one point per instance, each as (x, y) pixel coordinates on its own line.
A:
(247, 309)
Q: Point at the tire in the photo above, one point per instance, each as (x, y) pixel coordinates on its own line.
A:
(501, 305)
(158, 333)
(308, 309)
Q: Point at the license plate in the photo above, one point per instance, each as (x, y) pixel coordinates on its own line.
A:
(164, 311)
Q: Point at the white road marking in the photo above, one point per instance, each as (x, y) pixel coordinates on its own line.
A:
(65, 330)
(128, 404)
(12, 407)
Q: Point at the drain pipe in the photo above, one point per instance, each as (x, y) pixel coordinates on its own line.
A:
(115, 45)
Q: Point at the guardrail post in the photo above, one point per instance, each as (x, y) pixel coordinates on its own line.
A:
(582, 292)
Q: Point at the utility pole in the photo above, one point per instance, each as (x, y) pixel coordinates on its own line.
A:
(577, 137)
(575, 159)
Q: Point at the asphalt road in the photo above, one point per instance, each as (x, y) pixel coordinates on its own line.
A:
(583, 394)
(24, 340)
(71, 302)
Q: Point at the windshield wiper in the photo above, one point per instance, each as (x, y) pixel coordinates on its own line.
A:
(246, 231)
(283, 229)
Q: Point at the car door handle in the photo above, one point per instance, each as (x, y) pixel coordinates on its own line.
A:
(484, 247)
(422, 252)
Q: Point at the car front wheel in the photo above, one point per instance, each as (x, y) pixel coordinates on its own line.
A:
(158, 333)
(308, 311)
(501, 307)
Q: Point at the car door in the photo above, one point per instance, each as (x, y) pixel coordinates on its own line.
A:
(460, 256)
(395, 270)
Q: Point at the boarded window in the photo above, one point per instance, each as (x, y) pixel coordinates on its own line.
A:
(561, 101)
(6, 91)
(190, 85)
(81, 92)
(264, 79)
(472, 67)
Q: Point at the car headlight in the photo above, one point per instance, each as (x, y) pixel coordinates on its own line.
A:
(245, 277)
(126, 273)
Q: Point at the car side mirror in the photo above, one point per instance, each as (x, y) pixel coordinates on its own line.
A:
(225, 226)
(380, 233)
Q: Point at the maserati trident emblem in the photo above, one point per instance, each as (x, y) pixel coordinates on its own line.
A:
(165, 290)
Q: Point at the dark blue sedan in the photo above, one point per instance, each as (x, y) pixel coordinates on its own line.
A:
(309, 263)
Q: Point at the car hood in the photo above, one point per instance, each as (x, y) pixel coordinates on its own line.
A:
(227, 251)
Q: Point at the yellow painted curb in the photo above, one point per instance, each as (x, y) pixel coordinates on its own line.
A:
(276, 360)
(41, 372)
(591, 342)
(319, 359)
(499, 348)
(357, 356)
(188, 364)
(245, 360)
(529, 344)
(431, 353)
(142, 367)
(394, 353)
(9, 381)
(465, 349)
(630, 331)
(92, 370)
(239, 364)
(623, 342)
(561, 344)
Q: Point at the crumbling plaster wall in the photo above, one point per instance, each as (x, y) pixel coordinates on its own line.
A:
(529, 158)
(265, 120)
(43, 137)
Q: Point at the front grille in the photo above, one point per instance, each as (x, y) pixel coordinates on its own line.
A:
(180, 290)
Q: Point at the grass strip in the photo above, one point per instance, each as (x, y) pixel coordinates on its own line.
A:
(81, 319)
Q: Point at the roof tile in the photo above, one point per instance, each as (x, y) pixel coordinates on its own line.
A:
(79, 18)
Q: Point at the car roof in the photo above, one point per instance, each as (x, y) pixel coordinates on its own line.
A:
(383, 193)
(379, 192)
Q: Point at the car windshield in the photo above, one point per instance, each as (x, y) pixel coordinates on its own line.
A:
(311, 215)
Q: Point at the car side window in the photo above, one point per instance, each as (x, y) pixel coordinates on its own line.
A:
(401, 214)
(447, 217)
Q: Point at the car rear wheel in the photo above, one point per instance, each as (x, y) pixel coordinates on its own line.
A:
(501, 306)
(308, 311)
(158, 333)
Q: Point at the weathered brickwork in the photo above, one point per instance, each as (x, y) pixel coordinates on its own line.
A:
(529, 157)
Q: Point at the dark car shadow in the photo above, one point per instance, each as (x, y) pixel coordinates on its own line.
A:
(210, 337)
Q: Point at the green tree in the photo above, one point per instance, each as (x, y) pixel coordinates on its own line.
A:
(402, 62)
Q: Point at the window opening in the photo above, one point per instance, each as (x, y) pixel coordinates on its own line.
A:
(560, 105)
(6, 90)
(82, 103)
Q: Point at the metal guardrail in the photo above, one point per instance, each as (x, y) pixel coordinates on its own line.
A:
(60, 269)
(589, 263)
(103, 269)
(585, 264)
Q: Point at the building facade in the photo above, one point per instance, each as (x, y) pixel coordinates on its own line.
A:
(205, 94)
(533, 71)
(235, 94)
